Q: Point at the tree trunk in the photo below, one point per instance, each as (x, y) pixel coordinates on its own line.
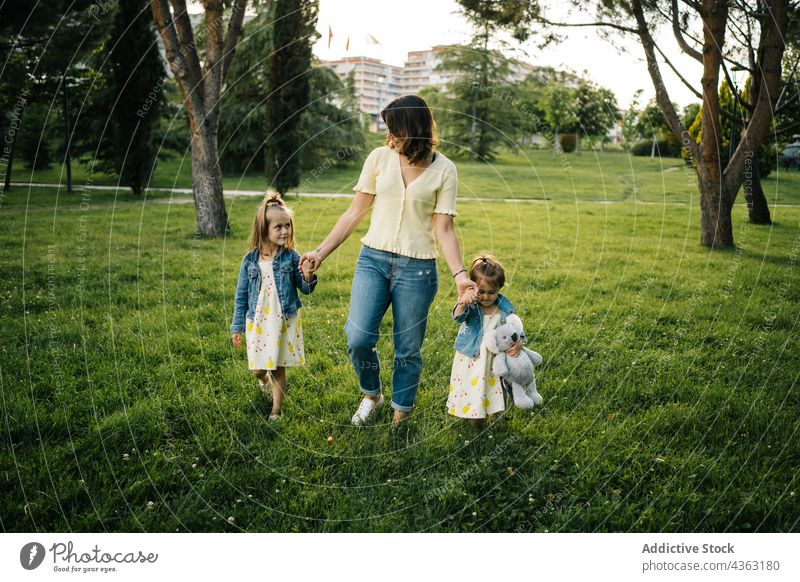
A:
(757, 208)
(7, 184)
(472, 126)
(716, 226)
(578, 142)
(212, 218)
(556, 135)
(201, 89)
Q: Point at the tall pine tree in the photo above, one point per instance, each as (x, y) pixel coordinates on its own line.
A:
(294, 33)
(137, 92)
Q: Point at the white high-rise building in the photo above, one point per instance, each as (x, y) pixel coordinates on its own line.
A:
(377, 83)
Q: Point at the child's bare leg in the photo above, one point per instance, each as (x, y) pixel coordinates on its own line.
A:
(278, 389)
(260, 374)
(264, 380)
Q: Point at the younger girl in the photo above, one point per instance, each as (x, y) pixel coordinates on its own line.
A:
(475, 392)
(266, 297)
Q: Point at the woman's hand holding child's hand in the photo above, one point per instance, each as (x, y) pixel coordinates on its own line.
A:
(236, 338)
(307, 269)
(467, 289)
(311, 261)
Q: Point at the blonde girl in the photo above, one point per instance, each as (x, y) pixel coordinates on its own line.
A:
(266, 305)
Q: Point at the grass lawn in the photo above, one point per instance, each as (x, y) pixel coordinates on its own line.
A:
(670, 375)
(524, 174)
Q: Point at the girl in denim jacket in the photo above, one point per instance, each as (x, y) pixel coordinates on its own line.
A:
(266, 306)
(475, 392)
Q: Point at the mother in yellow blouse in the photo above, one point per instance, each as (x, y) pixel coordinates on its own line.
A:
(411, 189)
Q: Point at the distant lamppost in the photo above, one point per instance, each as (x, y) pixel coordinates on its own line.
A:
(67, 136)
(381, 81)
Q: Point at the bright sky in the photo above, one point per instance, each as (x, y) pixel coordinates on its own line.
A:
(408, 25)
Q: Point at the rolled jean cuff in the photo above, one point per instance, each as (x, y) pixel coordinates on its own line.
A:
(401, 408)
(371, 392)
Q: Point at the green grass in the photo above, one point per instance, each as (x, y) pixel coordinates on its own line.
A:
(524, 174)
(670, 374)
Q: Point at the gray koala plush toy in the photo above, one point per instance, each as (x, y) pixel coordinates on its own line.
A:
(517, 371)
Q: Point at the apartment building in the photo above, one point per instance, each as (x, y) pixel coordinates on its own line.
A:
(377, 83)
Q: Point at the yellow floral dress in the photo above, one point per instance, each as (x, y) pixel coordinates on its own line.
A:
(273, 341)
(474, 390)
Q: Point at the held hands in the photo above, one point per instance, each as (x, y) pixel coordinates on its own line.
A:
(236, 338)
(467, 289)
(309, 263)
(306, 270)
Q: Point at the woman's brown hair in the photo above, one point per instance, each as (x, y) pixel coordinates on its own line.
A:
(260, 235)
(410, 120)
(485, 267)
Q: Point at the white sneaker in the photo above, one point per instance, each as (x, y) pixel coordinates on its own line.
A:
(366, 408)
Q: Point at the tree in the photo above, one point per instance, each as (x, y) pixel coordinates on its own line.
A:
(132, 94)
(595, 112)
(713, 20)
(475, 110)
(201, 89)
(557, 103)
(329, 130)
(35, 65)
(289, 63)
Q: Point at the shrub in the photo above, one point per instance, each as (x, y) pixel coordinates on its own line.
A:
(567, 141)
(664, 148)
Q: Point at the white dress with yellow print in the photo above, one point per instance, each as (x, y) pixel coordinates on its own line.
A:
(272, 341)
(474, 390)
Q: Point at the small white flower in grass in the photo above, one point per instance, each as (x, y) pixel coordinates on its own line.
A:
(474, 513)
(194, 465)
(231, 520)
(466, 443)
(150, 505)
(791, 494)
(277, 491)
(238, 500)
(388, 480)
(249, 496)
(125, 457)
(491, 437)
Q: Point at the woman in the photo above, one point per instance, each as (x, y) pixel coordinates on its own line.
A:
(411, 189)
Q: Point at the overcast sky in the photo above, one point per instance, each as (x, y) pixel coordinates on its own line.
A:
(408, 25)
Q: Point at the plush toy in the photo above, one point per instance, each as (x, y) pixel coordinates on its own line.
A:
(516, 371)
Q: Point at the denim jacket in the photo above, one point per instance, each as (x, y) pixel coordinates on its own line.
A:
(468, 340)
(288, 279)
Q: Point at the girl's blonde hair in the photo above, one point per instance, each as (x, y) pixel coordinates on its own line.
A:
(485, 267)
(259, 237)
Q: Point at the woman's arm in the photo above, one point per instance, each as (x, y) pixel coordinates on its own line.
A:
(448, 243)
(343, 228)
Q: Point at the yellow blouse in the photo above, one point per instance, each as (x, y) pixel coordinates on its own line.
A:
(402, 217)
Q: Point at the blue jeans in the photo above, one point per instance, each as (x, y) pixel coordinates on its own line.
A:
(409, 285)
